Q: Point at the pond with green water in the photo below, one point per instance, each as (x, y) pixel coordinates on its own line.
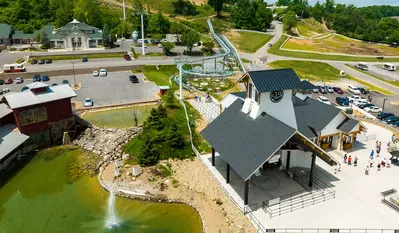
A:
(41, 198)
(119, 118)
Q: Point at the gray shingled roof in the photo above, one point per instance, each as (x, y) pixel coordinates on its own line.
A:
(245, 143)
(241, 94)
(306, 85)
(275, 80)
(347, 125)
(313, 116)
(10, 139)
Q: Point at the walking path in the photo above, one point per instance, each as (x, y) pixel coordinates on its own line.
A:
(210, 110)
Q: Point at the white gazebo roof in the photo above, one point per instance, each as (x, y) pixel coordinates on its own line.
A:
(75, 21)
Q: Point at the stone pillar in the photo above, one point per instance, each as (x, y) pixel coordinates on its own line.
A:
(312, 167)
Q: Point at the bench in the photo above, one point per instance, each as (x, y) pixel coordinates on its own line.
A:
(388, 192)
(390, 204)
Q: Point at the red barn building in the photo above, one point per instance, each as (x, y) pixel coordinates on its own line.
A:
(43, 112)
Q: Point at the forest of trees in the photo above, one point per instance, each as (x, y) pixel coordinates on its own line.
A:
(251, 14)
(372, 23)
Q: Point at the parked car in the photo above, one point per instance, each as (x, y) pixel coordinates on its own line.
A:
(391, 119)
(338, 90)
(45, 78)
(36, 78)
(363, 90)
(354, 98)
(383, 115)
(54, 84)
(315, 90)
(322, 89)
(5, 90)
(9, 81)
(48, 61)
(65, 82)
(95, 73)
(270, 45)
(363, 106)
(40, 62)
(373, 109)
(342, 101)
(127, 57)
(133, 79)
(330, 89)
(103, 73)
(1, 81)
(19, 80)
(360, 102)
(323, 100)
(395, 124)
(354, 90)
(33, 62)
(88, 102)
(24, 88)
(84, 59)
(160, 45)
(362, 66)
(1, 91)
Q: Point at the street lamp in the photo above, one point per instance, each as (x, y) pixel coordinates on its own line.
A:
(74, 78)
(383, 105)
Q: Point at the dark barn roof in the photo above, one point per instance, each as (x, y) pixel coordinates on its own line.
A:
(243, 142)
(275, 80)
(347, 125)
(306, 85)
(241, 94)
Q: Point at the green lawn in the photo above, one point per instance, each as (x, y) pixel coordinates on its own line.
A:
(310, 28)
(119, 118)
(319, 71)
(248, 42)
(159, 76)
(275, 49)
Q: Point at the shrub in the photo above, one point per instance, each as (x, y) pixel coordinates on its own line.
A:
(174, 138)
(148, 156)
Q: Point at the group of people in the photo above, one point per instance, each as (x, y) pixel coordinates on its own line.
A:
(380, 164)
(348, 160)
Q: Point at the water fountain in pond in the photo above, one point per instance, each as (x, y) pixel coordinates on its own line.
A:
(112, 221)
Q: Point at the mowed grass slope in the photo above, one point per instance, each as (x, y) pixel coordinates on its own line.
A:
(311, 28)
(160, 76)
(248, 42)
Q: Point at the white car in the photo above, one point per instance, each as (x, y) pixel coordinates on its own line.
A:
(360, 102)
(5, 90)
(324, 100)
(354, 98)
(103, 73)
(373, 109)
(354, 90)
(95, 73)
(19, 80)
(330, 89)
(88, 102)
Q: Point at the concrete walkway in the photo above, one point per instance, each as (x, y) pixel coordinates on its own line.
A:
(210, 110)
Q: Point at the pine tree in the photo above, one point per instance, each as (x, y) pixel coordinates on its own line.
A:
(148, 155)
(174, 138)
(107, 42)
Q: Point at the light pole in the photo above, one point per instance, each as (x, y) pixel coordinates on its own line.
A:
(123, 39)
(74, 78)
(383, 105)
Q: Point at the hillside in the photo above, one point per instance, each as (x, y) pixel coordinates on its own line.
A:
(311, 28)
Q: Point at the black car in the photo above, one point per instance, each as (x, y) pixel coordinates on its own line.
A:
(48, 61)
(36, 78)
(363, 106)
(84, 59)
(322, 89)
(383, 115)
(1, 81)
(342, 101)
(133, 79)
(40, 62)
(34, 61)
(363, 91)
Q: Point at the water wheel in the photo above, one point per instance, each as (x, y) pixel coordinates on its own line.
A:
(58, 129)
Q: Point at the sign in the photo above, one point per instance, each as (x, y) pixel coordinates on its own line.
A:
(270, 230)
(334, 230)
(276, 96)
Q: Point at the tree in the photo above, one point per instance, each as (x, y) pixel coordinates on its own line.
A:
(189, 38)
(63, 12)
(284, 2)
(207, 47)
(167, 47)
(159, 24)
(174, 138)
(148, 155)
(217, 6)
(107, 41)
(290, 20)
(317, 11)
(182, 7)
(394, 38)
(88, 11)
(44, 40)
(156, 120)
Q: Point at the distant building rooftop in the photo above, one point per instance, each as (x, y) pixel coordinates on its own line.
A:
(4, 110)
(10, 139)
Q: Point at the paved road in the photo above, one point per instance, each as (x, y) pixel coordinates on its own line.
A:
(113, 89)
(379, 71)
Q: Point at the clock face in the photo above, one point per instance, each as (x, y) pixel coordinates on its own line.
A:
(276, 96)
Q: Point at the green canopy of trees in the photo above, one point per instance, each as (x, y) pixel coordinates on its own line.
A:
(252, 15)
(189, 38)
(184, 7)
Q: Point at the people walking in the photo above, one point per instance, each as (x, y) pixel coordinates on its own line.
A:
(378, 152)
(372, 154)
(355, 161)
(350, 160)
(378, 167)
(345, 158)
(366, 171)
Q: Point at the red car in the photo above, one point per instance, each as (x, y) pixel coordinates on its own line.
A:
(338, 90)
(8, 81)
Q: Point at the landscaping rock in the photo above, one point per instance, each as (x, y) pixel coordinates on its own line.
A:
(125, 156)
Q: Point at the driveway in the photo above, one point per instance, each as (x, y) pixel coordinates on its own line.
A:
(113, 89)
(379, 71)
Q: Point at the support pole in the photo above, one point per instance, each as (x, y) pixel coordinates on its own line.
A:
(215, 65)
(312, 170)
(124, 11)
(287, 165)
(228, 173)
(213, 156)
(142, 33)
(246, 192)
(181, 81)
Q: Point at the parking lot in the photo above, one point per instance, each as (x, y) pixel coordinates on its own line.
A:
(113, 89)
